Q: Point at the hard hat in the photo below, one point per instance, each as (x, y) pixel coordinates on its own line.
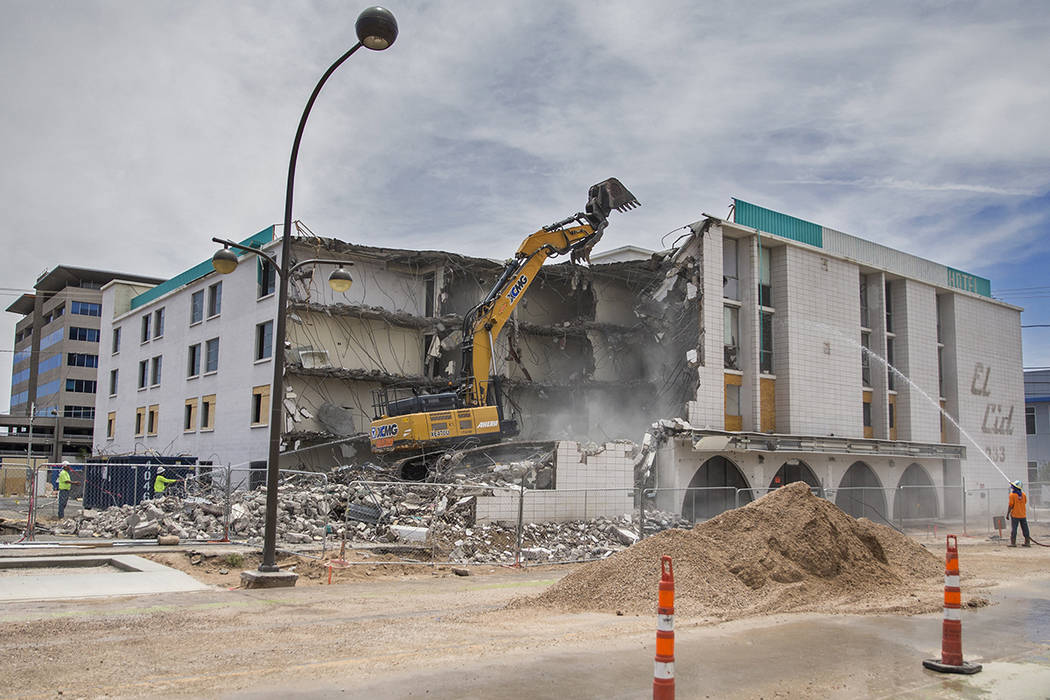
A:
(160, 470)
(65, 463)
(1016, 484)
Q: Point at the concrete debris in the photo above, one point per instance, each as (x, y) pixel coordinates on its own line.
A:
(438, 518)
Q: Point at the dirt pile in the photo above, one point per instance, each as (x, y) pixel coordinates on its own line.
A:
(787, 551)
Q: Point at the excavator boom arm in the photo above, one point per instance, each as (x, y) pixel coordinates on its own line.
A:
(484, 322)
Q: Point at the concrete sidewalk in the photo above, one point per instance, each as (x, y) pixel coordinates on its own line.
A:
(88, 576)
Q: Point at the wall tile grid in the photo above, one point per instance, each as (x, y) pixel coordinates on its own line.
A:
(587, 487)
(709, 409)
(915, 319)
(990, 388)
(816, 351)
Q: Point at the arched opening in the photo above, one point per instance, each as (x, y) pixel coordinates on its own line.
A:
(796, 470)
(712, 490)
(860, 493)
(916, 496)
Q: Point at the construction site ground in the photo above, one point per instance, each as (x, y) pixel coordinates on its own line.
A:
(402, 631)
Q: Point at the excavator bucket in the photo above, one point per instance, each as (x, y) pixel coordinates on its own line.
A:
(608, 195)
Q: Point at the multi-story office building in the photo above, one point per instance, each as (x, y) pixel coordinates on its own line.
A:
(855, 367)
(53, 373)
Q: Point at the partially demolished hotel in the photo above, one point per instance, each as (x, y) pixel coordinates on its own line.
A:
(752, 353)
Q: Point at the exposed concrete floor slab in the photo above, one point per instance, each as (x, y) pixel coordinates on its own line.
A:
(88, 576)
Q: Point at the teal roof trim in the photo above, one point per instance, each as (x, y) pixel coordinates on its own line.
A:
(778, 224)
(197, 271)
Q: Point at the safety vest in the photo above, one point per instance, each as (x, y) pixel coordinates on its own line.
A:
(161, 482)
(1017, 504)
(64, 480)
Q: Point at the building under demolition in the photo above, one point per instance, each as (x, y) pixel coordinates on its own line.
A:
(771, 340)
(187, 362)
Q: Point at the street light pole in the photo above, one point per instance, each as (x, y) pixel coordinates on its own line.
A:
(376, 30)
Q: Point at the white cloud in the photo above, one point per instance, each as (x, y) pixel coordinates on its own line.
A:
(133, 132)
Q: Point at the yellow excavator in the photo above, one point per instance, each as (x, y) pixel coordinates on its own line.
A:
(472, 411)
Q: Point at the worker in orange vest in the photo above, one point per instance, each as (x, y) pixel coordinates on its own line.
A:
(1018, 514)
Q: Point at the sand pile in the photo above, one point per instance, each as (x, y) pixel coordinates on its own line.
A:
(787, 551)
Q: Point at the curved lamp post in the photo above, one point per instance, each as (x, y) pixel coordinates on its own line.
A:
(376, 30)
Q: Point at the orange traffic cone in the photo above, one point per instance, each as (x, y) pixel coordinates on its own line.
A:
(663, 667)
(951, 660)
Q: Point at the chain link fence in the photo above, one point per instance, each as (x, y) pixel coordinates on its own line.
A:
(432, 522)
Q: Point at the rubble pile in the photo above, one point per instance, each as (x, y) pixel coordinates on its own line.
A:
(438, 518)
(786, 551)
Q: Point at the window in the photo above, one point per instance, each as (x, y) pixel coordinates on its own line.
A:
(730, 269)
(197, 307)
(84, 308)
(189, 421)
(52, 338)
(215, 299)
(81, 386)
(208, 412)
(113, 382)
(211, 355)
(154, 420)
(765, 353)
(116, 340)
(145, 328)
(143, 373)
(865, 359)
(867, 414)
(267, 276)
(48, 364)
(78, 412)
(733, 400)
(893, 417)
(140, 421)
(264, 340)
(111, 424)
(731, 344)
(864, 302)
(260, 405)
(1029, 420)
(88, 335)
(889, 310)
(428, 291)
(47, 389)
(155, 366)
(765, 276)
(193, 360)
(889, 362)
(158, 323)
(61, 309)
(79, 359)
(940, 371)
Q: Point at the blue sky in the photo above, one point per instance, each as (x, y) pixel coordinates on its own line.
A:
(132, 132)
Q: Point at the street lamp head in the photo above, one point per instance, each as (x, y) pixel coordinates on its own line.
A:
(224, 261)
(340, 280)
(376, 28)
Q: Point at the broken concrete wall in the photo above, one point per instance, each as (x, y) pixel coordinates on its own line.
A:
(554, 357)
(588, 486)
(558, 297)
(321, 340)
(329, 407)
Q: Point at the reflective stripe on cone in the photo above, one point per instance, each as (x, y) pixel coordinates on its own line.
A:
(951, 660)
(663, 665)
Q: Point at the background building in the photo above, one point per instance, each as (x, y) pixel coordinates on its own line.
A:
(1037, 426)
(53, 374)
(795, 322)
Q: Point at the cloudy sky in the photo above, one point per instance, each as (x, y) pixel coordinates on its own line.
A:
(133, 131)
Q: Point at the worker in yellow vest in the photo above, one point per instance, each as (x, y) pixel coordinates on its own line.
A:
(161, 482)
(65, 483)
